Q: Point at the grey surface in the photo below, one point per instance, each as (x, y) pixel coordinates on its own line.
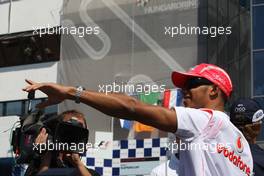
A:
(129, 55)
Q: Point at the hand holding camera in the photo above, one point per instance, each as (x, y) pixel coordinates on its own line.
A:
(42, 137)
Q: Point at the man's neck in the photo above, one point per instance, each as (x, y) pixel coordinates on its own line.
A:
(215, 106)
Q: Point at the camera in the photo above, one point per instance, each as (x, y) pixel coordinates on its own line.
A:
(71, 132)
(59, 131)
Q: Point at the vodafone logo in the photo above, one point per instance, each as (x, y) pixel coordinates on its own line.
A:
(211, 67)
(239, 145)
(234, 159)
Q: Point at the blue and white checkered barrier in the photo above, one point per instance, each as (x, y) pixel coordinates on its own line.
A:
(121, 155)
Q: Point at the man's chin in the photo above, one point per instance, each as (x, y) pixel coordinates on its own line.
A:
(186, 104)
(189, 105)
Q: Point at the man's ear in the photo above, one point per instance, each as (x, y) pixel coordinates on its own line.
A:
(214, 91)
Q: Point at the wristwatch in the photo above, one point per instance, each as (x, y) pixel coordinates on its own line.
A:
(78, 93)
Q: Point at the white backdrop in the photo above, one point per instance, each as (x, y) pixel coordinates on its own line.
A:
(7, 123)
(12, 79)
(26, 14)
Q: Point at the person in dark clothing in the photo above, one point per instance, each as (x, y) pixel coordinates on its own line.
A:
(246, 115)
(258, 158)
(59, 159)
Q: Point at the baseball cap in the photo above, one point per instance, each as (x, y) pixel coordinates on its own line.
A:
(211, 72)
(245, 111)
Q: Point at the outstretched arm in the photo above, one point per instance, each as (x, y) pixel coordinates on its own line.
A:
(112, 104)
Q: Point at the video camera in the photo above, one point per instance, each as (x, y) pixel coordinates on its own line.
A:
(58, 131)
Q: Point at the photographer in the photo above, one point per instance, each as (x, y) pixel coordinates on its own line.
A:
(246, 115)
(59, 159)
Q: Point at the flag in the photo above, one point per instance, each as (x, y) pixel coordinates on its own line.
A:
(151, 98)
(172, 97)
(126, 124)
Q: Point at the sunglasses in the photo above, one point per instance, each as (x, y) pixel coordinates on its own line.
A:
(196, 82)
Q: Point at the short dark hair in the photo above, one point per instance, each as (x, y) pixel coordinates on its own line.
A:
(74, 113)
(224, 97)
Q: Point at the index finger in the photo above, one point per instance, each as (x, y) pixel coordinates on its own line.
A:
(30, 81)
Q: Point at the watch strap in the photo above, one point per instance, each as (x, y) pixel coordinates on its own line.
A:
(78, 93)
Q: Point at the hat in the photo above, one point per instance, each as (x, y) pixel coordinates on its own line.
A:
(246, 111)
(211, 72)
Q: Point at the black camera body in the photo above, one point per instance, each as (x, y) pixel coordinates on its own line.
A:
(24, 136)
(71, 132)
(59, 131)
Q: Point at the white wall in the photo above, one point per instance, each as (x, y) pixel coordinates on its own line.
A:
(4, 18)
(26, 14)
(7, 123)
(12, 79)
